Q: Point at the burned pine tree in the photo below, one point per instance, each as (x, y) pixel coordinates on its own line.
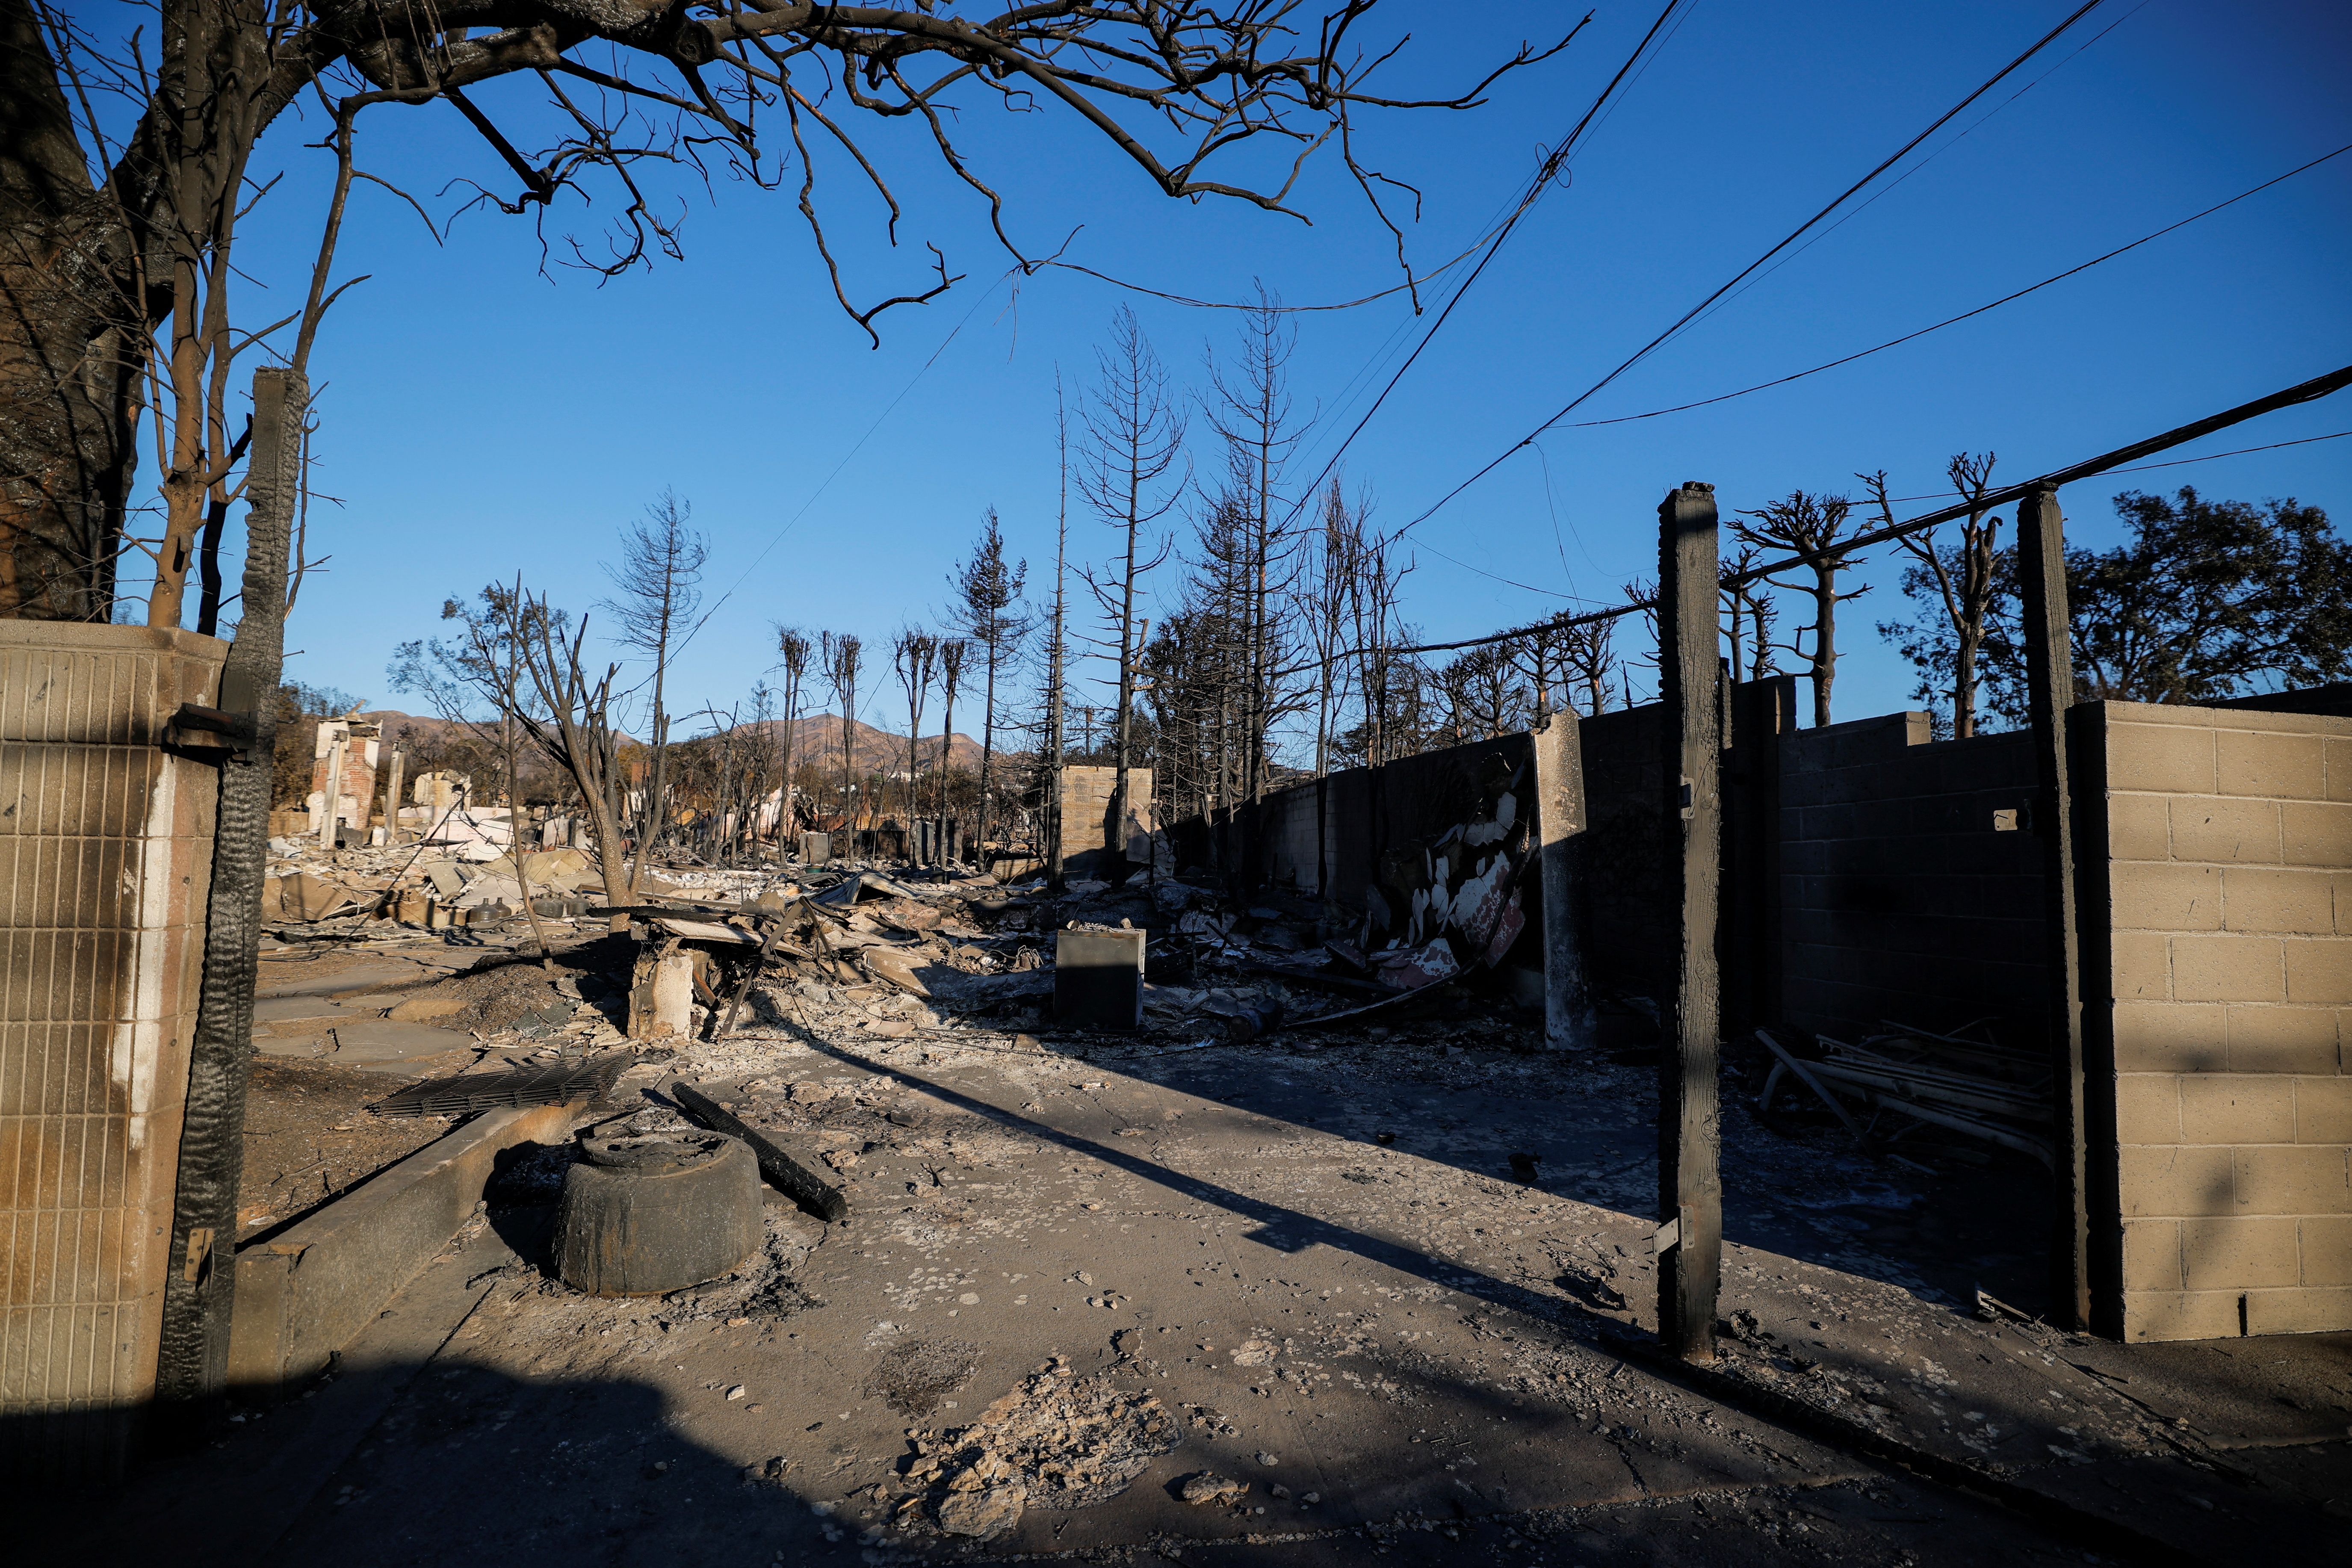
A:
(1057, 648)
(987, 588)
(1320, 596)
(1135, 437)
(1249, 409)
(658, 590)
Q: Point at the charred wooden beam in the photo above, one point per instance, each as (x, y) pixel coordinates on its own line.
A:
(1690, 680)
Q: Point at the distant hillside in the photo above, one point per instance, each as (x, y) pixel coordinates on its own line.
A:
(817, 739)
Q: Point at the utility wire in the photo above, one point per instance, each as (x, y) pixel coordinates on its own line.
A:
(1932, 495)
(1553, 163)
(1966, 315)
(2110, 462)
(1793, 236)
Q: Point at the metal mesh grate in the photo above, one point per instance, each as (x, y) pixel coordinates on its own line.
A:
(105, 855)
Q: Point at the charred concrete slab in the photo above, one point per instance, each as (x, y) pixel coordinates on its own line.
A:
(303, 1293)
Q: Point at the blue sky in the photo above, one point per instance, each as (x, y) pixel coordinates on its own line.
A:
(481, 417)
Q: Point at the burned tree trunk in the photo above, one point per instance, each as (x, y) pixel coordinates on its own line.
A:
(72, 346)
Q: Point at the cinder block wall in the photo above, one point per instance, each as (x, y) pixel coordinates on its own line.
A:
(2219, 842)
(1901, 898)
(1628, 921)
(1086, 793)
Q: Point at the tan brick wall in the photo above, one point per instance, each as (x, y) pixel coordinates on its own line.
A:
(2230, 886)
(1086, 803)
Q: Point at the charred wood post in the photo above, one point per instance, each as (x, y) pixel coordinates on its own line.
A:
(1690, 680)
(199, 1291)
(2049, 692)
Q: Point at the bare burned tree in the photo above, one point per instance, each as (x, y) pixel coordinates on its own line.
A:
(914, 654)
(1135, 436)
(792, 651)
(1820, 527)
(1959, 578)
(953, 654)
(1540, 656)
(658, 581)
(840, 656)
(1588, 660)
(1749, 613)
(125, 175)
(524, 660)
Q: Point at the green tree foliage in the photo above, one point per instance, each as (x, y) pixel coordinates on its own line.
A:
(2207, 600)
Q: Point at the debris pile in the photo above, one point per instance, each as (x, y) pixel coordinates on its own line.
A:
(1979, 1088)
(1056, 1441)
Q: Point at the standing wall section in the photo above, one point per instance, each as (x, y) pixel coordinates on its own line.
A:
(1620, 856)
(1084, 799)
(1901, 896)
(105, 863)
(2217, 899)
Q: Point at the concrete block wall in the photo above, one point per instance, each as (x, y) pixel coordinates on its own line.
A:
(1362, 812)
(1085, 800)
(2219, 845)
(1902, 897)
(1620, 858)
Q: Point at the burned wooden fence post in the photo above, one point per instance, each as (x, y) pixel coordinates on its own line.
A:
(1569, 1022)
(1690, 1185)
(2049, 692)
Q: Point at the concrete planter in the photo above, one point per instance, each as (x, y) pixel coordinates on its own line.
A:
(105, 864)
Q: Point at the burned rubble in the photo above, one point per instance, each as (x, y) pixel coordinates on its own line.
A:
(1298, 1258)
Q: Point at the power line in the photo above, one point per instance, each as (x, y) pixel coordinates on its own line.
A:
(1892, 342)
(2109, 462)
(855, 447)
(1553, 162)
(1966, 315)
(1961, 135)
(1790, 238)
